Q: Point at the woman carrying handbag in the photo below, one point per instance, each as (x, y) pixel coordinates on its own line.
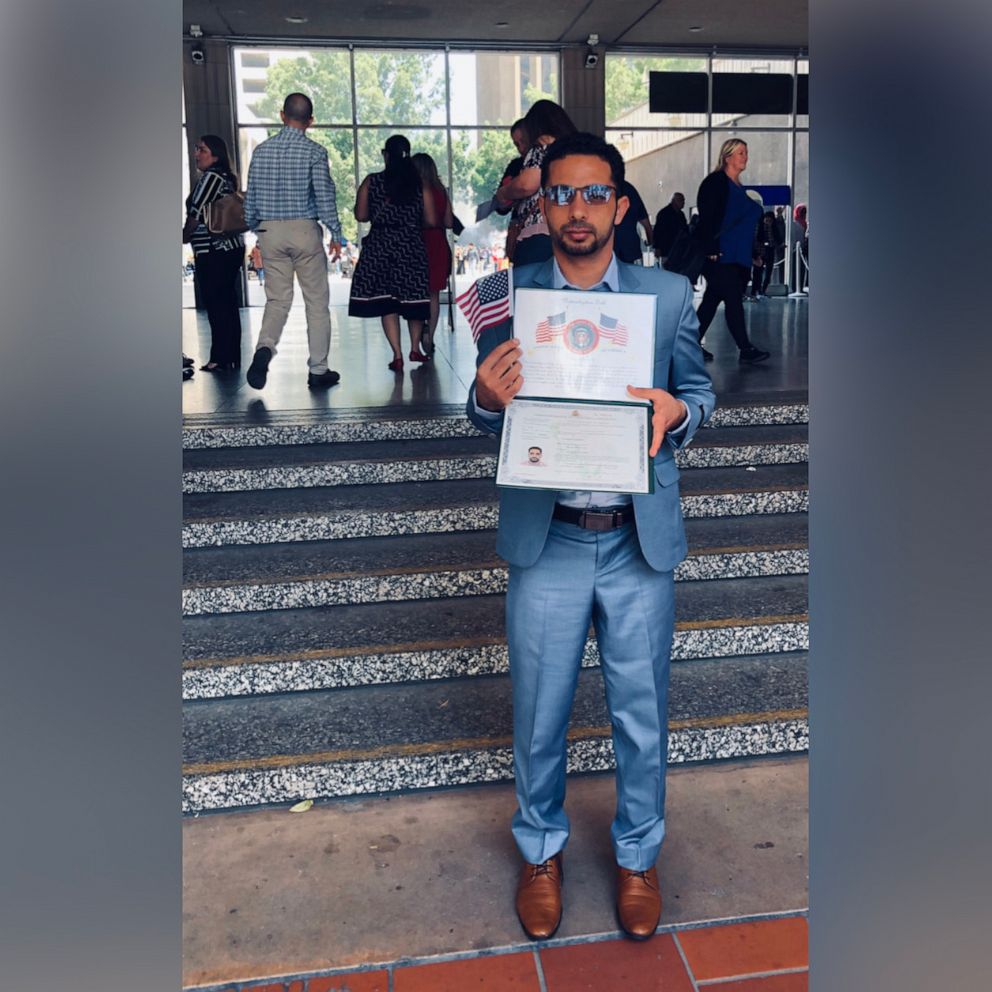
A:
(218, 257)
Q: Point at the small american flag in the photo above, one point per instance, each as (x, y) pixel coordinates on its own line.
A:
(487, 302)
(612, 329)
(550, 326)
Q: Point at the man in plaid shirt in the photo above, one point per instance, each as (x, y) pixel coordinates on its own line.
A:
(289, 189)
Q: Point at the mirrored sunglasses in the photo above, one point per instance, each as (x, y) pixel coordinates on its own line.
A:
(595, 195)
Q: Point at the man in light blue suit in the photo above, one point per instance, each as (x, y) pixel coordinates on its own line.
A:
(581, 557)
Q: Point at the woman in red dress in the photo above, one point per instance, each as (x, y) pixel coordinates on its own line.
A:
(436, 243)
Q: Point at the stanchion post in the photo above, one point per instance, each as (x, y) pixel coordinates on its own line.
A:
(799, 294)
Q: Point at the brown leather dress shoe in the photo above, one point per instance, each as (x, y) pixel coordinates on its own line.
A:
(638, 902)
(539, 898)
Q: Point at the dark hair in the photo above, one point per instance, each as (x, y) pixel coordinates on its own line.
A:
(583, 143)
(546, 117)
(427, 169)
(400, 175)
(218, 148)
(298, 107)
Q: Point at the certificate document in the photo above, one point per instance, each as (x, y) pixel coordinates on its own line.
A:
(587, 346)
(568, 445)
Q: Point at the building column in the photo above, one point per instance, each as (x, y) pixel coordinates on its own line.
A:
(583, 91)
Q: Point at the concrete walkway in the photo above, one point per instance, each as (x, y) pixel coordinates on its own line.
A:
(350, 884)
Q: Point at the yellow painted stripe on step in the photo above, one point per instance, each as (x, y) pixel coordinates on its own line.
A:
(742, 622)
(443, 747)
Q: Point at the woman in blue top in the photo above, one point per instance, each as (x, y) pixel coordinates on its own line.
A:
(728, 219)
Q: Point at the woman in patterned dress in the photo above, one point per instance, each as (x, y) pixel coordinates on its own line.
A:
(391, 277)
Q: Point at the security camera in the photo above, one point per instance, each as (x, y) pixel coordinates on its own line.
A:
(592, 59)
(195, 31)
(198, 55)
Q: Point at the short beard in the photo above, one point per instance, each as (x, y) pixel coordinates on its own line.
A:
(578, 250)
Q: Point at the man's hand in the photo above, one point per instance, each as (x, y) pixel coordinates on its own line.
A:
(334, 250)
(668, 413)
(498, 378)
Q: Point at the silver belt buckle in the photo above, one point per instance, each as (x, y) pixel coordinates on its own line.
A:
(592, 520)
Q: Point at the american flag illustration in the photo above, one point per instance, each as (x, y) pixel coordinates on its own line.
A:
(550, 326)
(487, 302)
(612, 329)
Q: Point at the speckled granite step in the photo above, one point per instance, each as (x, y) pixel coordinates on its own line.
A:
(334, 646)
(334, 512)
(302, 465)
(242, 578)
(239, 430)
(250, 752)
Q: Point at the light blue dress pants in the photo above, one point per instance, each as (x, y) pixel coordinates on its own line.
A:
(584, 576)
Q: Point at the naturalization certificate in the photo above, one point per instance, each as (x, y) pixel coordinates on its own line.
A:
(588, 346)
(557, 444)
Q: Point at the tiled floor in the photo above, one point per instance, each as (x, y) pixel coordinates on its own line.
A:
(360, 353)
(755, 956)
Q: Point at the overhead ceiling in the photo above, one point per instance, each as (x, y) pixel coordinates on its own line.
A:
(737, 24)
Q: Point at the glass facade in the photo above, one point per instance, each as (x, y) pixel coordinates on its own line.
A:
(456, 106)
(672, 151)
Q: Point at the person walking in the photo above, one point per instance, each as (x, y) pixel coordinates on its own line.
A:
(258, 265)
(593, 557)
(669, 223)
(436, 243)
(799, 236)
(764, 256)
(218, 258)
(728, 219)
(289, 190)
(391, 278)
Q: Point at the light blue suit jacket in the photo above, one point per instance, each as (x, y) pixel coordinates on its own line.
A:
(525, 514)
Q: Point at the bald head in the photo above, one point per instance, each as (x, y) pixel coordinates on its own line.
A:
(298, 109)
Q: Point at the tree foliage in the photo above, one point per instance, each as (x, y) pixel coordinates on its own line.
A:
(627, 81)
(397, 92)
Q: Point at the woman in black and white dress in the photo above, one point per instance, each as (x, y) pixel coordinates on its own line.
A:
(218, 258)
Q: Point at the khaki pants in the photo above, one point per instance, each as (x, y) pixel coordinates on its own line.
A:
(288, 247)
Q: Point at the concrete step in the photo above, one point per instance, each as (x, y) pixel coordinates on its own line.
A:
(295, 650)
(329, 426)
(257, 751)
(331, 513)
(243, 578)
(419, 460)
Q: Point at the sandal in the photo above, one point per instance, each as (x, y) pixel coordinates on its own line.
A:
(396, 365)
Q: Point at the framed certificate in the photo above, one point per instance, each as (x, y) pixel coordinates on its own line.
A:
(588, 346)
(570, 444)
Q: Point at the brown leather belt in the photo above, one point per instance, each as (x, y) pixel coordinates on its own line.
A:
(595, 519)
